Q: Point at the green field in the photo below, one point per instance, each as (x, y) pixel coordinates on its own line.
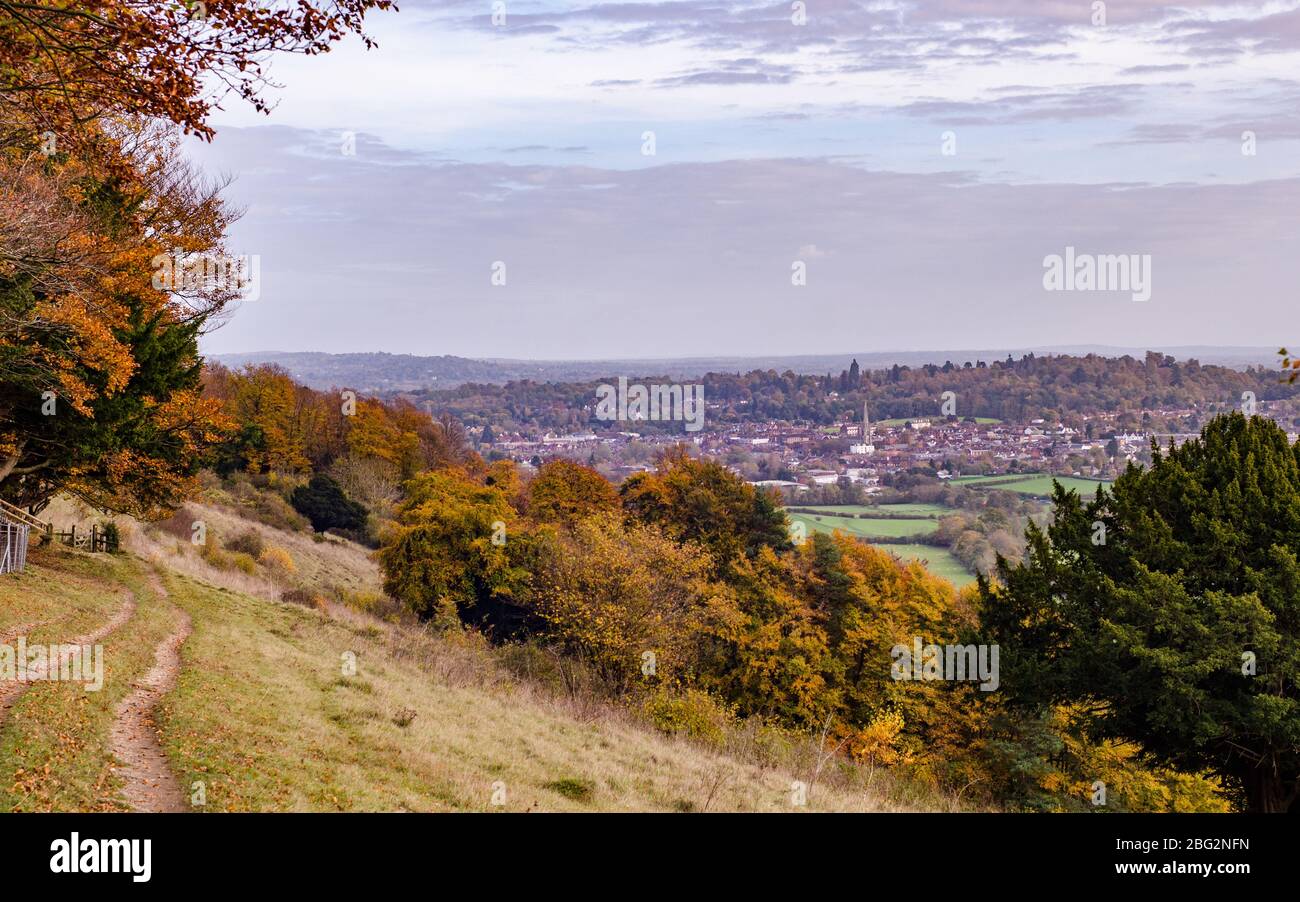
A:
(981, 480)
(867, 528)
(910, 509)
(1042, 485)
(939, 561)
(1039, 484)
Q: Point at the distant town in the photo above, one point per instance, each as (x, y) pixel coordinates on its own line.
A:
(797, 459)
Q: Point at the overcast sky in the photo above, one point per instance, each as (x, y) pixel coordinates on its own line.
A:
(918, 159)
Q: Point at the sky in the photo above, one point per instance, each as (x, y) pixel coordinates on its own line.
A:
(722, 177)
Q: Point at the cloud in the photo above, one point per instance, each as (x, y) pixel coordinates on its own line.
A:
(393, 250)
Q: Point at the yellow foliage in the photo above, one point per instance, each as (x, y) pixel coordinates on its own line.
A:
(625, 596)
(880, 742)
(276, 558)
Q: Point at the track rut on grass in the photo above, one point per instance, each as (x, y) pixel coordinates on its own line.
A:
(12, 690)
(150, 784)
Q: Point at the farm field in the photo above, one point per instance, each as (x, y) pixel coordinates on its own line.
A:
(1031, 483)
(867, 528)
(911, 509)
(1042, 485)
(939, 561)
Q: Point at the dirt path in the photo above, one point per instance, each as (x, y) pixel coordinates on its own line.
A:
(12, 690)
(133, 740)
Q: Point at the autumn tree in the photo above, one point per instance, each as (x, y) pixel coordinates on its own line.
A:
(406, 437)
(264, 400)
(564, 492)
(627, 598)
(457, 552)
(99, 368)
(100, 386)
(63, 65)
(702, 501)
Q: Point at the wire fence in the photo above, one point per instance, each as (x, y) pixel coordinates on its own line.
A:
(14, 538)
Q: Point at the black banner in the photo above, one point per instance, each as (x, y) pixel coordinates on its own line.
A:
(508, 851)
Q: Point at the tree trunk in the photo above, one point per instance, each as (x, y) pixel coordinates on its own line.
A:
(7, 466)
(1266, 790)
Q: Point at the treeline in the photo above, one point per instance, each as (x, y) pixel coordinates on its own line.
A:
(683, 592)
(1049, 387)
(354, 450)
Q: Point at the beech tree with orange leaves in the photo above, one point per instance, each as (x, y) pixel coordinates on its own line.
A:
(99, 369)
(66, 63)
(100, 376)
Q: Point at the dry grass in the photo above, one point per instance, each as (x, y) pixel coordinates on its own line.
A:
(54, 743)
(426, 723)
(265, 715)
(332, 566)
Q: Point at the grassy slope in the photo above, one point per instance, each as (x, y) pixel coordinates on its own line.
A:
(52, 745)
(264, 716)
(294, 733)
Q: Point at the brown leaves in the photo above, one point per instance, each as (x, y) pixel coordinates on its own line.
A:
(65, 64)
(1293, 365)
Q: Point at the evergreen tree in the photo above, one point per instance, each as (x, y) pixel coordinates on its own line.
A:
(323, 503)
(1171, 609)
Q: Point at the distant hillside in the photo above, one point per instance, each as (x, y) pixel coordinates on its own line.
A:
(379, 372)
(375, 372)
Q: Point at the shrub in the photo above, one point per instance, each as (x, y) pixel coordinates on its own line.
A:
(243, 562)
(305, 597)
(694, 714)
(541, 666)
(276, 558)
(112, 537)
(272, 510)
(377, 604)
(212, 553)
(249, 542)
(363, 600)
(880, 741)
(572, 788)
